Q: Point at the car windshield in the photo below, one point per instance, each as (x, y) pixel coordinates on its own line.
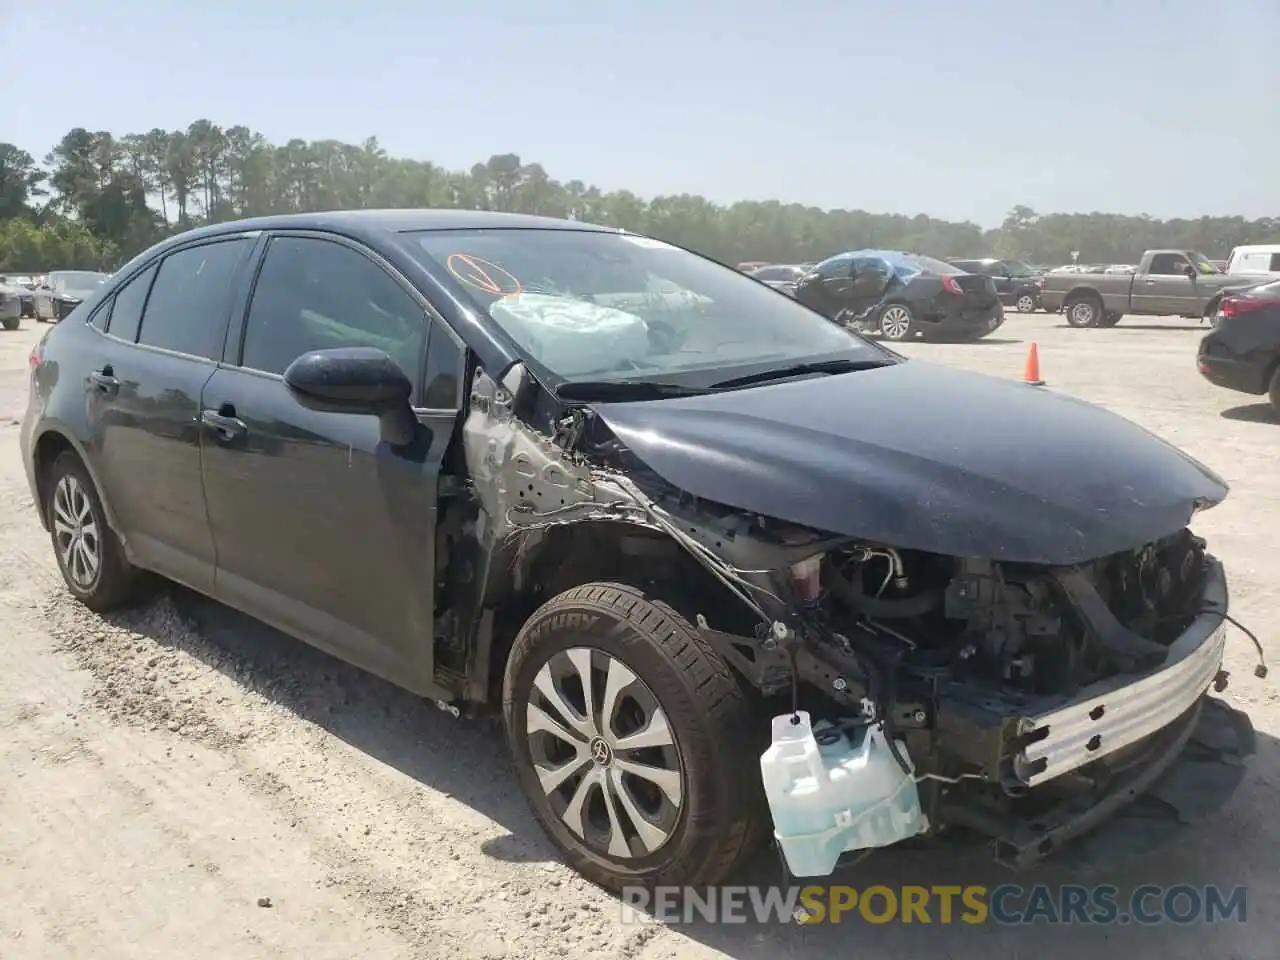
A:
(77, 281)
(612, 306)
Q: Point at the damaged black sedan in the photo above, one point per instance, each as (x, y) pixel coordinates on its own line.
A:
(727, 569)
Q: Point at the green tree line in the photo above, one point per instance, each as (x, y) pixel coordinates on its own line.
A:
(98, 198)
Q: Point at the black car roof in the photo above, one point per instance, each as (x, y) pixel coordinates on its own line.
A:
(395, 221)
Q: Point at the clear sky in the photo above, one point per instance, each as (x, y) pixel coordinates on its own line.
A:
(956, 108)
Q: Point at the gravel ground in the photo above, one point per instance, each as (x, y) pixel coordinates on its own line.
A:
(180, 781)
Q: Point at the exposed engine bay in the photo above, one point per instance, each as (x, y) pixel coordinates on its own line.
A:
(1008, 696)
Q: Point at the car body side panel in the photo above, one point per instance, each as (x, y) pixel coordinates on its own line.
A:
(321, 528)
(146, 441)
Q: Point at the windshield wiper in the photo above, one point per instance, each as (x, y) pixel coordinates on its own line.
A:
(625, 390)
(800, 370)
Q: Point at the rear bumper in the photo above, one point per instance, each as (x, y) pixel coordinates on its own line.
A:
(963, 324)
(1242, 375)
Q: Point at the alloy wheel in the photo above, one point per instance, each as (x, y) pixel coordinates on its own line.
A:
(1083, 314)
(604, 754)
(895, 322)
(76, 532)
(1026, 304)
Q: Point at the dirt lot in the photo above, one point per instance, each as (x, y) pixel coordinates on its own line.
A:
(182, 783)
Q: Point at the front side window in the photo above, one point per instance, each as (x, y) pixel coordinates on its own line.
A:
(588, 304)
(315, 294)
(126, 311)
(191, 297)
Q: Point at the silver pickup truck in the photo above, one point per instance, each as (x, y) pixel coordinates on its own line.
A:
(1180, 283)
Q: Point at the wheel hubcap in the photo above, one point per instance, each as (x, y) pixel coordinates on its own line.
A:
(1082, 313)
(895, 322)
(1026, 305)
(604, 754)
(76, 532)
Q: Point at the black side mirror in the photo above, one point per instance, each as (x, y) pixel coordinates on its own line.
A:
(1190, 271)
(359, 380)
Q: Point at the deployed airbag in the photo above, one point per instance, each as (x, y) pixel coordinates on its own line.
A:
(573, 337)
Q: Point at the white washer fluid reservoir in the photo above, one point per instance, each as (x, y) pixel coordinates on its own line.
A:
(830, 792)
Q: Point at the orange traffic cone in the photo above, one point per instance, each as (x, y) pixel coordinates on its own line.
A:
(1031, 372)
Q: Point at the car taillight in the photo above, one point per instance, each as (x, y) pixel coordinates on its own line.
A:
(1234, 306)
(949, 284)
(36, 357)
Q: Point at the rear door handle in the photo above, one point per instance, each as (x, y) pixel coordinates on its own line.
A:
(105, 380)
(224, 423)
(1148, 282)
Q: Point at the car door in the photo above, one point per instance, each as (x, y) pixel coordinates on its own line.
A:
(321, 528)
(165, 332)
(1165, 289)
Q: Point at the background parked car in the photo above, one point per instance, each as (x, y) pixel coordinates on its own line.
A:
(901, 296)
(1261, 260)
(781, 276)
(1017, 283)
(26, 297)
(10, 305)
(1242, 352)
(62, 292)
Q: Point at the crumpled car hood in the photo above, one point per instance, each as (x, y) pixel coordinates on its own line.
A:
(924, 457)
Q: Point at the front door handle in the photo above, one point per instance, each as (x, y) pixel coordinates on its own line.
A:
(224, 423)
(105, 380)
(1149, 282)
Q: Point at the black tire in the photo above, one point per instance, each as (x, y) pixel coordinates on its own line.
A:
(1110, 319)
(1025, 302)
(1083, 310)
(115, 579)
(1274, 391)
(896, 322)
(11, 323)
(720, 817)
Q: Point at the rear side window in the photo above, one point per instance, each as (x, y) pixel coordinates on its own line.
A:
(1168, 264)
(190, 299)
(126, 313)
(314, 294)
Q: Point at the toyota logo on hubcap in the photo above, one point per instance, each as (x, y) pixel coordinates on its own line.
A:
(600, 752)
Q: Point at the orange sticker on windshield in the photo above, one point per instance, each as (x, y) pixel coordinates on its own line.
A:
(483, 275)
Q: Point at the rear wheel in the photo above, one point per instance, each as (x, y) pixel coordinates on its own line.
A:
(89, 554)
(11, 323)
(1026, 303)
(631, 739)
(1274, 391)
(1083, 311)
(1110, 319)
(896, 322)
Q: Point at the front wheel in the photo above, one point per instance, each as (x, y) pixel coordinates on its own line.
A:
(896, 322)
(1274, 391)
(11, 323)
(632, 740)
(1110, 319)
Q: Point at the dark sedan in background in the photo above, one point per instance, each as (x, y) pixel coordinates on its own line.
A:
(1242, 352)
(63, 291)
(1017, 283)
(901, 296)
(24, 286)
(781, 276)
